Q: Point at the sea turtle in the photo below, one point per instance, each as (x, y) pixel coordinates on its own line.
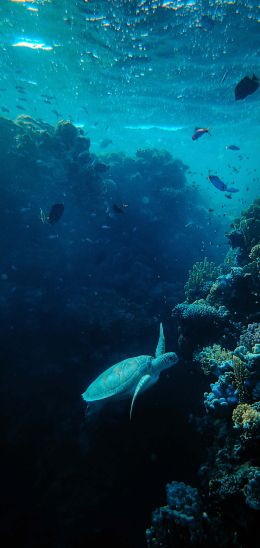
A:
(131, 376)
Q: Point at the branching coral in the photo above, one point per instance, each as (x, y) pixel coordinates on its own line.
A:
(213, 359)
(200, 311)
(200, 275)
(223, 396)
(251, 490)
(237, 372)
(250, 336)
(243, 479)
(240, 376)
(247, 418)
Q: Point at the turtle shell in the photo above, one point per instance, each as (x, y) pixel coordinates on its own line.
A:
(119, 379)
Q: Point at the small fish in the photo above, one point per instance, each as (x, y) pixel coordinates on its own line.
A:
(119, 209)
(4, 109)
(105, 227)
(228, 196)
(55, 214)
(246, 87)
(232, 147)
(20, 107)
(199, 131)
(53, 236)
(46, 96)
(220, 185)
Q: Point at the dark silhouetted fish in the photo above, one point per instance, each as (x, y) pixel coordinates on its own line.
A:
(232, 147)
(220, 185)
(54, 216)
(46, 96)
(56, 213)
(198, 132)
(118, 209)
(246, 87)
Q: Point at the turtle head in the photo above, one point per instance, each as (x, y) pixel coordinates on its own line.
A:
(164, 362)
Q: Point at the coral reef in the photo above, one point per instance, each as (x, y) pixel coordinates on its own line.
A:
(231, 474)
(198, 323)
(223, 333)
(230, 291)
(200, 279)
(245, 233)
(247, 418)
(250, 336)
(182, 517)
(222, 397)
(214, 359)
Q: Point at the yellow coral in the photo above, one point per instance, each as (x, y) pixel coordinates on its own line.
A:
(246, 416)
(240, 374)
(201, 272)
(211, 354)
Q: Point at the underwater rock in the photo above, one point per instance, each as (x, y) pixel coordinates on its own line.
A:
(66, 132)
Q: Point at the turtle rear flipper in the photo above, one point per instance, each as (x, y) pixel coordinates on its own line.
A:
(143, 381)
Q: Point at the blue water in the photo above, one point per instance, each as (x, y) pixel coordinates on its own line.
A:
(77, 296)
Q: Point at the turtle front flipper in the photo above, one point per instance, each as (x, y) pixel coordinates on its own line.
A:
(160, 349)
(143, 381)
